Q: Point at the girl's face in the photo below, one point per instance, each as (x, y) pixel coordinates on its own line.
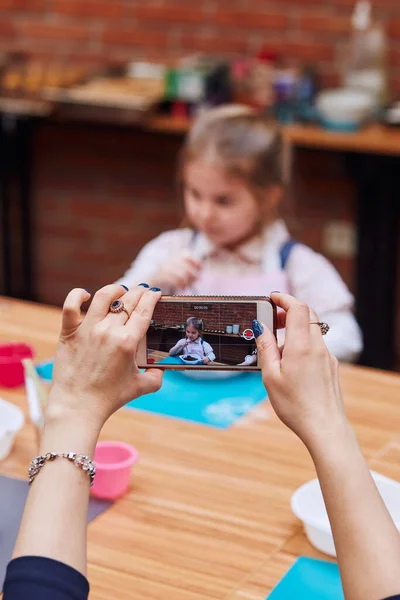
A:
(192, 333)
(219, 204)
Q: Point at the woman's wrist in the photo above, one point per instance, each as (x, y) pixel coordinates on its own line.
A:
(333, 445)
(325, 440)
(64, 436)
(66, 430)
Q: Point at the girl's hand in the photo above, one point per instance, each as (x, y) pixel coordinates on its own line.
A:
(178, 273)
(302, 379)
(206, 360)
(95, 368)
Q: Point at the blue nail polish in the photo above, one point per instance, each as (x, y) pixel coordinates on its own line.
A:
(275, 292)
(143, 285)
(257, 328)
(155, 289)
(125, 288)
(87, 291)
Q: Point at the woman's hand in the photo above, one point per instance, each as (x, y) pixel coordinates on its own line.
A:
(302, 379)
(95, 368)
(178, 273)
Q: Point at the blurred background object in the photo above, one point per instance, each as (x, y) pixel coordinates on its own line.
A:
(95, 98)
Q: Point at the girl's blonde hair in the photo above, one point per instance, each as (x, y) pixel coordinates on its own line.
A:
(240, 141)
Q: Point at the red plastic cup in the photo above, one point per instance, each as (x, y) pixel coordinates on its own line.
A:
(114, 462)
(11, 367)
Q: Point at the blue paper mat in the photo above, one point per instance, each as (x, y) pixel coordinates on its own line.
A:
(215, 402)
(310, 579)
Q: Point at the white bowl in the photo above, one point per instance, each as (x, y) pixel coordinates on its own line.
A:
(308, 505)
(345, 106)
(11, 421)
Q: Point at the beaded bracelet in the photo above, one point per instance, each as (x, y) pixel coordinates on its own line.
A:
(81, 461)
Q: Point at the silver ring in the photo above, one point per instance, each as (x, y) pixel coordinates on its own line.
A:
(324, 327)
(117, 307)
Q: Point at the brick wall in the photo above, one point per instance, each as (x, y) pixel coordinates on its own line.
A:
(98, 31)
(214, 316)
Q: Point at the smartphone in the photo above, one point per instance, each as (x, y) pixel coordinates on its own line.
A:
(205, 332)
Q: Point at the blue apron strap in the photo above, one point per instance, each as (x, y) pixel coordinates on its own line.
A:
(194, 237)
(285, 251)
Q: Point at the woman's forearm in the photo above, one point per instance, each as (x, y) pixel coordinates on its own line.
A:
(366, 539)
(55, 516)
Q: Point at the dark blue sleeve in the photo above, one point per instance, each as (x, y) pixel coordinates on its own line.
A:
(39, 578)
(397, 597)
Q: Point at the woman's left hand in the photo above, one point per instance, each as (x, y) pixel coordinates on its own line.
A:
(206, 361)
(95, 368)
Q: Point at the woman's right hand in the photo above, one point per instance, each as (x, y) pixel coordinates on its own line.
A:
(178, 273)
(95, 367)
(302, 379)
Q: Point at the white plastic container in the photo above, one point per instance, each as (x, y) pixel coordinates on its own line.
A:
(308, 505)
(229, 329)
(11, 421)
(236, 328)
(345, 107)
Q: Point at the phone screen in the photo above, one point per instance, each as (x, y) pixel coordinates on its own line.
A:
(203, 334)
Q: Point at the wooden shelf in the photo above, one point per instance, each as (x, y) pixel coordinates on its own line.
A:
(373, 139)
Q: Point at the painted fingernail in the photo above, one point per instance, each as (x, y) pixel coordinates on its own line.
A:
(87, 291)
(275, 292)
(257, 328)
(155, 289)
(144, 285)
(125, 288)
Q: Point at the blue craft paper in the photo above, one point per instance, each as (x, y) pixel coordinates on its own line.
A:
(310, 579)
(45, 370)
(215, 402)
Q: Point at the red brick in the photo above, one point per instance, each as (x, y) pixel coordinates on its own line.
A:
(378, 6)
(89, 59)
(120, 36)
(109, 211)
(104, 9)
(44, 31)
(393, 27)
(171, 13)
(325, 23)
(257, 20)
(394, 57)
(214, 43)
(25, 5)
(308, 50)
(7, 28)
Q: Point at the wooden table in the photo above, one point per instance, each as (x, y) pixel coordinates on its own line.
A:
(208, 514)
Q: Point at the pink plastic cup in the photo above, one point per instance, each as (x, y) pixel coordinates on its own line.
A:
(114, 462)
(11, 367)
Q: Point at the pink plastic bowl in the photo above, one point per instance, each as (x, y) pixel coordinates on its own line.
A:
(114, 462)
(11, 368)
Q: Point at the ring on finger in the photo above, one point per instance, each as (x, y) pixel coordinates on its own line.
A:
(117, 307)
(324, 327)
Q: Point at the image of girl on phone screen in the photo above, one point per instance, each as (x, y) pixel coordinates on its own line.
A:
(193, 344)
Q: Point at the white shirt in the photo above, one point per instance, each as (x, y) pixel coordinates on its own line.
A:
(199, 347)
(312, 278)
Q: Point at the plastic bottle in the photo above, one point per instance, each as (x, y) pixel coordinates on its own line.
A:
(365, 67)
